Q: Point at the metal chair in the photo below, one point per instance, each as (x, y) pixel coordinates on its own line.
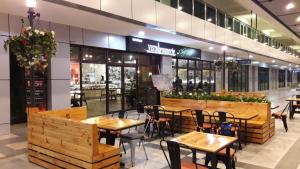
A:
(283, 116)
(199, 121)
(161, 122)
(220, 118)
(132, 139)
(174, 154)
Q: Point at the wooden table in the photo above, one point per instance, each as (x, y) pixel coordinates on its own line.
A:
(291, 103)
(112, 124)
(240, 117)
(173, 110)
(209, 143)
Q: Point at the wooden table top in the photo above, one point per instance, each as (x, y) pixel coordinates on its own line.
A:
(112, 123)
(241, 115)
(211, 143)
(292, 99)
(175, 109)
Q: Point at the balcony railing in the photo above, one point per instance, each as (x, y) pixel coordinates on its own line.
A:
(213, 15)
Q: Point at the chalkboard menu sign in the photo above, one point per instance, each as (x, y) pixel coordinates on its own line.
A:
(36, 89)
(134, 44)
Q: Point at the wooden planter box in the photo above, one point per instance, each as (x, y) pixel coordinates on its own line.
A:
(260, 129)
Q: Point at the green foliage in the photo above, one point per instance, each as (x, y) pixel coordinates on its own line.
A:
(204, 96)
(32, 48)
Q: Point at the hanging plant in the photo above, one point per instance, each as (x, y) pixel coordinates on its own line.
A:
(33, 48)
(219, 64)
(232, 66)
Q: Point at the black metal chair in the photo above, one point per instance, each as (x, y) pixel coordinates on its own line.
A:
(283, 116)
(161, 122)
(220, 119)
(296, 107)
(174, 154)
(199, 120)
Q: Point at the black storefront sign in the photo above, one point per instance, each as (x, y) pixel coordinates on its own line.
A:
(134, 44)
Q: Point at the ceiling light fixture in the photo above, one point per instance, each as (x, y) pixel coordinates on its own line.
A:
(290, 6)
(273, 61)
(224, 48)
(31, 3)
(209, 19)
(250, 56)
(141, 33)
(180, 8)
(211, 48)
(298, 19)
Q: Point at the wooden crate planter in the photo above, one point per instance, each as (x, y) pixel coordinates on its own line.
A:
(260, 129)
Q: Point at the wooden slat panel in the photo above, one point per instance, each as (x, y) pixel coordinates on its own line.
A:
(42, 163)
(52, 160)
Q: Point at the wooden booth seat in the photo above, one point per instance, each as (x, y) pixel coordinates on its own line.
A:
(55, 142)
(76, 113)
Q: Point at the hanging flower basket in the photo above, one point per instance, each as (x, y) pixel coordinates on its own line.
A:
(219, 64)
(33, 48)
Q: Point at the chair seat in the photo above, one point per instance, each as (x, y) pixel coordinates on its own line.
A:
(223, 152)
(132, 136)
(207, 126)
(190, 165)
(162, 119)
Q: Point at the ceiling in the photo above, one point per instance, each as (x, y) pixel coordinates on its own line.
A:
(288, 17)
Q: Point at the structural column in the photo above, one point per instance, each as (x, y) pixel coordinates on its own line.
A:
(4, 89)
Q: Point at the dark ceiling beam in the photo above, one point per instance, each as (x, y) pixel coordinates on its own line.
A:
(275, 17)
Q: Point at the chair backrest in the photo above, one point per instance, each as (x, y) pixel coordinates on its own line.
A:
(156, 112)
(220, 117)
(65, 136)
(140, 108)
(121, 114)
(174, 154)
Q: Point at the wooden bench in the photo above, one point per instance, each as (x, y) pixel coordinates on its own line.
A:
(259, 129)
(56, 142)
(76, 113)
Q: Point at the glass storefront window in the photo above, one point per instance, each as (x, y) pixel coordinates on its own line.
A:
(221, 19)
(210, 14)
(115, 57)
(239, 81)
(186, 6)
(130, 58)
(206, 81)
(92, 55)
(281, 78)
(130, 87)
(182, 63)
(192, 64)
(182, 75)
(199, 9)
(263, 79)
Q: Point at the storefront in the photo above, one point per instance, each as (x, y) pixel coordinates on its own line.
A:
(109, 80)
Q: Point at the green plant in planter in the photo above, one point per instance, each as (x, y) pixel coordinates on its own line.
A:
(204, 96)
(219, 64)
(33, 48)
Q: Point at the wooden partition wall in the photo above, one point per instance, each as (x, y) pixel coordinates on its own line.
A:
(260, 129)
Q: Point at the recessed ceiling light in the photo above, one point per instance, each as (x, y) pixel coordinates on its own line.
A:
(229, 58)
(211, 48)
(224, 48)
(273, 61)
(209, 19)
(290, 6)
(250, 56)
(180, 8)
(255, 62)
(275, 65)
(229, 28)
(290, 64)
(298, 19)
(297, 65)
(141, 33)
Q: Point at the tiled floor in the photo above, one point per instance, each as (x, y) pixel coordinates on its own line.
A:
(281, 152)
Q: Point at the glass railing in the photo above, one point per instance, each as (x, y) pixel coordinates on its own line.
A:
(211, 14)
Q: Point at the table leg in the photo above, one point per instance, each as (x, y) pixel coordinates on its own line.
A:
(110, 138)
(214, 162)
(246, 132)
(239, 134)
(292, 110)
(228, 158)
(194, 156)
(173, 123)
(180, 122)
